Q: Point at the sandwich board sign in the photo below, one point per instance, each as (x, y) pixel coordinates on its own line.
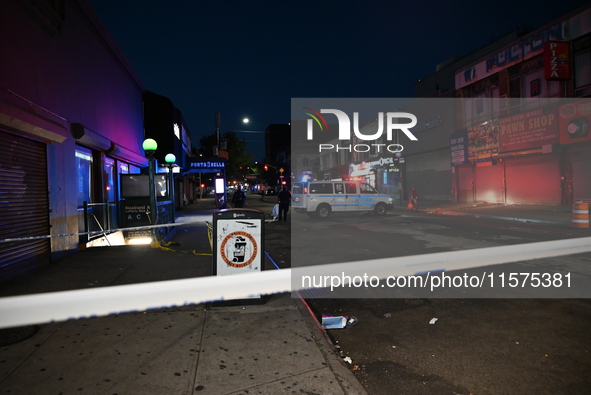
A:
(238, 236)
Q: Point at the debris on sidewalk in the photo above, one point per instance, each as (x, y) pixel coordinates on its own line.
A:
(275, 213)
(338, 322)
(433, 321)
(351, 322)
(333, 322)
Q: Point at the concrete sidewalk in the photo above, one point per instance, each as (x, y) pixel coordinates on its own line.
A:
(273, 347)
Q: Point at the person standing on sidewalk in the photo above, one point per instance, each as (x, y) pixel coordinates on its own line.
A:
(239, 198)
(413, 197)
(284, 200)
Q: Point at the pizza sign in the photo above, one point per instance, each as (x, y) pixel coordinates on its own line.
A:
(556, 60)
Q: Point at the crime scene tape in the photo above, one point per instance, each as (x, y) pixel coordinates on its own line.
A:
(96, 232)
(164, 247)
(95, 302)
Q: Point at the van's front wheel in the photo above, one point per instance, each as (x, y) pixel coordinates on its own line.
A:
(380, 209)
(323, 211)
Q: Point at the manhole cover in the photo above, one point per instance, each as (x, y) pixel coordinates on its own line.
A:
(10, 336)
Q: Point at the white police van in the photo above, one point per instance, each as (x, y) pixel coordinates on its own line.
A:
(322, 198)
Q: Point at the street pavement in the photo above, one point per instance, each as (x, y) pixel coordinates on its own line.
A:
(270, 347)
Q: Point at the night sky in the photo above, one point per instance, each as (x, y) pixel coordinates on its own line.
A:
(249, 58)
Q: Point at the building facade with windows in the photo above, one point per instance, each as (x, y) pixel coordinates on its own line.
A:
(507, 124)
(523, 116)
(71, 121)
(165, 124)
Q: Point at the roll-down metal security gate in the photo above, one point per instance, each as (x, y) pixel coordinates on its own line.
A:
(24, 205)
(533, 180)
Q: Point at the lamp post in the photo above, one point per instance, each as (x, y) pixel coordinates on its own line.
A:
(170, 159)
(218, 126)
(150, 146)
(217, 132)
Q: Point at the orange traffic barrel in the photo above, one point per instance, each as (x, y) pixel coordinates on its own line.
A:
(580, 215)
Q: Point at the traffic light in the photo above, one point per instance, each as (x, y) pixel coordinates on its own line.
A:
(266, 167)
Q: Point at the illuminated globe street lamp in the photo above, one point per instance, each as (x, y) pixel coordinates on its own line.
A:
(170, 159)
(150, 146)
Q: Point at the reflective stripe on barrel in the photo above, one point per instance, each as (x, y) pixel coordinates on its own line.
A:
(580, 215)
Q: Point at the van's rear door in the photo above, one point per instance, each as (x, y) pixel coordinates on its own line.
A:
(298, 196)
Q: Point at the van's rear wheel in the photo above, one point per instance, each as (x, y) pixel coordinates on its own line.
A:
(323, 211)
(380, 209)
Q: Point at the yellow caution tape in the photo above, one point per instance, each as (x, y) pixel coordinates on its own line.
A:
(162, 245)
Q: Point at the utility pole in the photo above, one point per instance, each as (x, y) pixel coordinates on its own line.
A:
(217, 133)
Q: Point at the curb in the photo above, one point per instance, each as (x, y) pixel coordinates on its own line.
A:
(499, 217)
(491, 216)
(348, 382)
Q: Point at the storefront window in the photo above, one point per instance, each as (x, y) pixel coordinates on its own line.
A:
(84, 167)
(582, 65)
(110, 179)
(126, 168)
(123, 168)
